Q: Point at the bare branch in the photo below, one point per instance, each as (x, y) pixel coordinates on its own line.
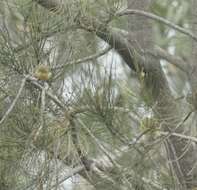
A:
(159, 19)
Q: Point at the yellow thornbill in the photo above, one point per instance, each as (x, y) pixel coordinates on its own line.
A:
(42, 72)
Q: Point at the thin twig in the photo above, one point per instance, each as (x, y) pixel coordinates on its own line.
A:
(85, 59)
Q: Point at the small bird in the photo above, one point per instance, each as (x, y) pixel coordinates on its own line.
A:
(42, 72)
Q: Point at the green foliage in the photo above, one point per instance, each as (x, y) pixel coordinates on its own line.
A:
(106, 109)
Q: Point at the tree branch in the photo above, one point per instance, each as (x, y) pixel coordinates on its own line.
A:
(159, 19)
(85, 59)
